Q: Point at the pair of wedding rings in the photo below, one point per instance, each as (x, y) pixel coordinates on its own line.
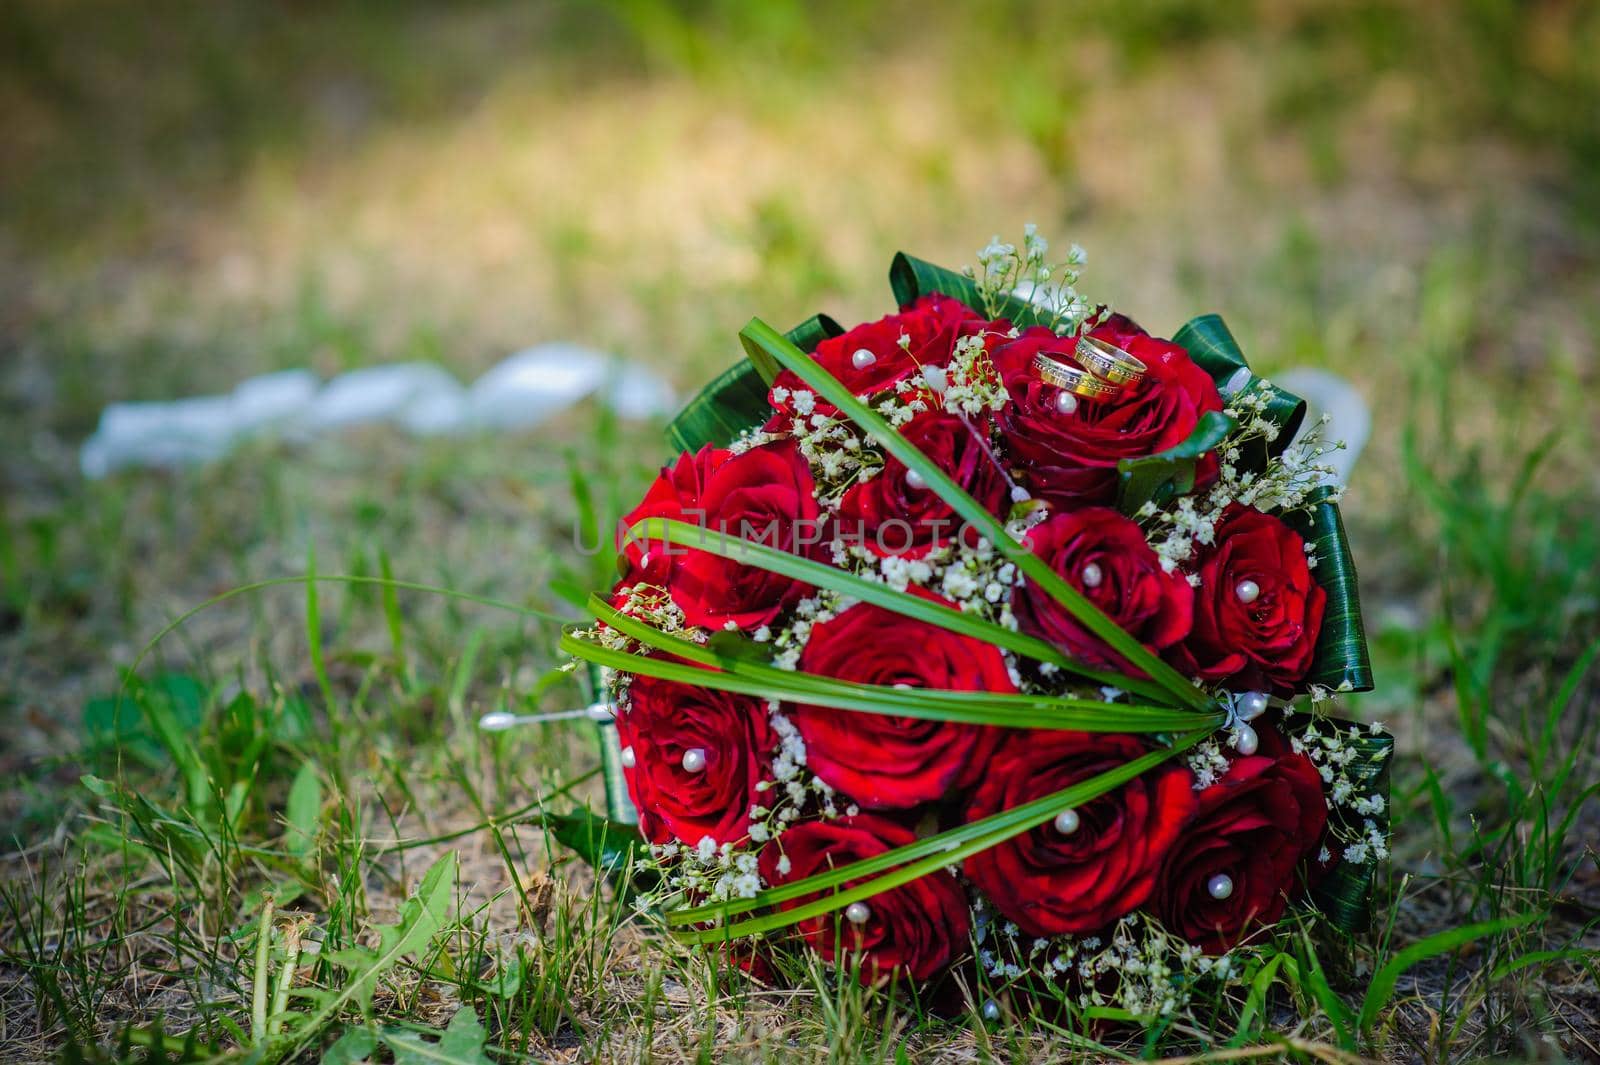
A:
(1102, 371)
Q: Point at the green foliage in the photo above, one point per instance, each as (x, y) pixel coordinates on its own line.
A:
(1157, 478)
(459, 1044)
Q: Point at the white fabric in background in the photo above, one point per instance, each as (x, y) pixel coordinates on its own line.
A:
(420, 397)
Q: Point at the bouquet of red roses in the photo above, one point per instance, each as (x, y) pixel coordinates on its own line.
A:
(998, 632)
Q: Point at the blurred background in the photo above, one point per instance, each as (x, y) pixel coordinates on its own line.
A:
(1407, 193)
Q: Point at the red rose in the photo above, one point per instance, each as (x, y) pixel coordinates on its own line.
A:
(1071, 459)
(677, 488)
(880, 760)
(894, 514)
(765, 495)
(1104, 555)
(1234, 870)
(911, 932)
(661, 722)
(1257, 611)
(933, 325)
(1050, 882)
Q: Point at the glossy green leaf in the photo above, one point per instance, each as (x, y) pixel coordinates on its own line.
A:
(608, 846)
(1212, 346)
(736, 399)
(1157, 478)
(1341, 661)
(912, 278)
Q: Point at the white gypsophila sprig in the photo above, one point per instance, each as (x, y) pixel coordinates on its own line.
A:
(1283, 485)
(1004, 273)
(1138, 966)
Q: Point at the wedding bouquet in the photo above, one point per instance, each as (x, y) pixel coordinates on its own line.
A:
(998, 637)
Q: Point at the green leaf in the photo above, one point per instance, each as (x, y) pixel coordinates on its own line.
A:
(758, 335)
(1381, 989)
(1157, 478)
(461, 1043)
(355, 1045)
(303, 815)
(736, 399)
(421, 918)
(608, 846)
(912, 278)
(1340, 661)
(834, 579)
(915, 859)
(1212, 347)
(730, 643)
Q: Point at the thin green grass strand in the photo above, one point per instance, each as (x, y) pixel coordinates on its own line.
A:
(1003, 710)
(990, 832)
(682, 534)
(922, 704)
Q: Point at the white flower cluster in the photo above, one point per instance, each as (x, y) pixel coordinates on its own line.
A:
(1284, 484)
(1208, 764)
(1005, 273)
(1139, 967)
(1334, 753)
(706, 871)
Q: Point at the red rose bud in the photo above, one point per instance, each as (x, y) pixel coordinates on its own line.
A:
(882, 761)
(894, 513)
(911, 932)
(1257, 611)
(764, 495)
(1104, 555)
(1071, 454)
(870, 358)
(1235, 869)
(1090, 865)
(692, 758)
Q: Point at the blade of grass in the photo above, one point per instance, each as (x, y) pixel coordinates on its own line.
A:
(1381, 989)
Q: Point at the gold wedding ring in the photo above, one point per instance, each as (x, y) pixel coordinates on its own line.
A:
(1109, 362)
(1072, 378)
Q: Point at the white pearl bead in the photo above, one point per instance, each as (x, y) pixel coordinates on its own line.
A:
(1067, 822)
(1220, 886)
(862, 359)
(629, 760)
(1092, 576)
(1251, 705)
(991, 1010)
(1247, 591)
(1245, 740)
(1020, 494)
(694, 759)
(1066, 403)
(916, 480)
(857, 913)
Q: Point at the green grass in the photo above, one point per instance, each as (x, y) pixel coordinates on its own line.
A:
(1401, 194)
